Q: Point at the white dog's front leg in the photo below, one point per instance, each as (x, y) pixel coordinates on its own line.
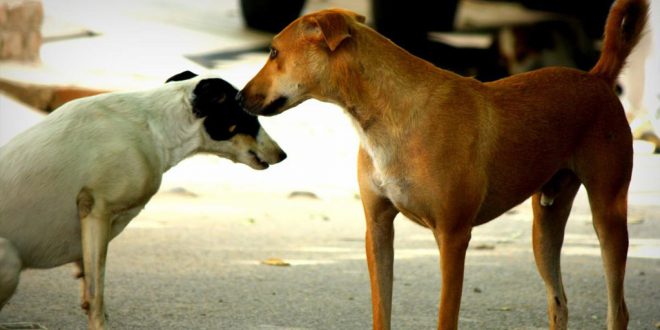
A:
(95, 235)
(80, 274)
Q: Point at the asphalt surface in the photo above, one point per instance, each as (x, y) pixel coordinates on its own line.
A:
(194, 259)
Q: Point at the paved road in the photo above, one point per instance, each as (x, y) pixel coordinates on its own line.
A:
(193, 260)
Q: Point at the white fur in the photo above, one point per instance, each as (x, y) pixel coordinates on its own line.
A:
(383, 181)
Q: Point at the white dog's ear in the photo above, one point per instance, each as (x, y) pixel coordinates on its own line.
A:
(185, 75)
(209, 94)
(331, 26)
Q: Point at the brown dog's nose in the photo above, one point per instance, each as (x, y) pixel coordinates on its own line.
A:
(251, 104)
(240, 99)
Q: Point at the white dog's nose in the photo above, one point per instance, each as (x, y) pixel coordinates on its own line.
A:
(282, 156)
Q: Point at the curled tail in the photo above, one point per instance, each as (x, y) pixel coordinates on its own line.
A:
(623, 30)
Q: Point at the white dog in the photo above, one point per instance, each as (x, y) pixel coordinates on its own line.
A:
(72, 183)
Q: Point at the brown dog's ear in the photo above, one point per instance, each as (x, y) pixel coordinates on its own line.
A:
(332, 27)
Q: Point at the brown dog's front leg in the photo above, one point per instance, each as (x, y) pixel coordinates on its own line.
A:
(95, 230)
(380, 259)
(453, 246)
(379, 213)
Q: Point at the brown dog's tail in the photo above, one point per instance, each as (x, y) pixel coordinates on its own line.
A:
(623, 30)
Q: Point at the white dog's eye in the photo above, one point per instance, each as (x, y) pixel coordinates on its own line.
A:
(273, 53)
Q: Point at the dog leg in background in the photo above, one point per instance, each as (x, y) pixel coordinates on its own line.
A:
(45, 97)
(379, 244)
(80, 274)
(95, 229)
(10, 269)
(547, 239)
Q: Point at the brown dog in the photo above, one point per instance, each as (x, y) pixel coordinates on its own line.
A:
(451, 153)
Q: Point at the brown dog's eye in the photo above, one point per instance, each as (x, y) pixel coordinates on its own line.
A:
(273, 53)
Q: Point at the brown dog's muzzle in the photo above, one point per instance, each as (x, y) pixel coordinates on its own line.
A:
(254, 104)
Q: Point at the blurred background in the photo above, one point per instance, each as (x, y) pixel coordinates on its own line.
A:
(198, 254)
(132, 44)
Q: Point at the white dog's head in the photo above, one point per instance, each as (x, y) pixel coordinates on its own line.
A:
(230, 132)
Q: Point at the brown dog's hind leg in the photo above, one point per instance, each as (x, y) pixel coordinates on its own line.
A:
(547, 239)
(604, 165)
(605, 171)
(610, 222)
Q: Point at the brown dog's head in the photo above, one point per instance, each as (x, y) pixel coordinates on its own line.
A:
(299, 62)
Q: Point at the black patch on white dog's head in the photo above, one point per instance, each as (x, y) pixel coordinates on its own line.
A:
(215, 100)
(185, 75)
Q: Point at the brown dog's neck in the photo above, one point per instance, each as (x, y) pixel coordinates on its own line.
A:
(383, 87)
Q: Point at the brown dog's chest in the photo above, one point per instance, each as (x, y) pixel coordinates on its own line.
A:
(399, 192)
(386, 174)
(390, 179)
